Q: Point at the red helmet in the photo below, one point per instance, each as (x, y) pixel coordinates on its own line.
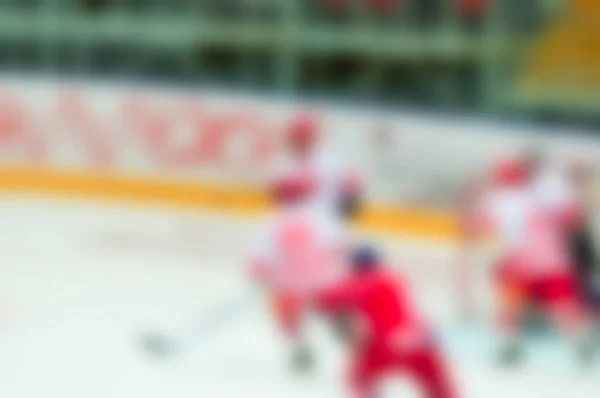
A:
(303, 130)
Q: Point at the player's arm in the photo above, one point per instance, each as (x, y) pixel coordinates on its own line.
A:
(261, 264)
(338, 298)
(337, 303)
(350, 197)
(259, 270)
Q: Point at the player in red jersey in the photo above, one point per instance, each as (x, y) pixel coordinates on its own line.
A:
(387, 333)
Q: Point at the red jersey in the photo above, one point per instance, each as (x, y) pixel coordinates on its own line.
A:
(380, 302)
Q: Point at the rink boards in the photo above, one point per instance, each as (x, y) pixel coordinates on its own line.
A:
(197, 148)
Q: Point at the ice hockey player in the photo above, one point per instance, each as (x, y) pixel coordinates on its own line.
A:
(387, 333)
(566, 192)
(581, 234)
(298, 252)
(533, 263)
(336, 187)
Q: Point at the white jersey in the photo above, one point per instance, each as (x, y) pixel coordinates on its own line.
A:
(300, 249)
(530, 239)
(327, 173)
(553, 191)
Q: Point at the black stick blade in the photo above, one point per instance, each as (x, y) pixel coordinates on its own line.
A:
(157, 345)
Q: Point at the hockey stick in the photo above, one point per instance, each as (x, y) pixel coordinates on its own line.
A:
(168, 345)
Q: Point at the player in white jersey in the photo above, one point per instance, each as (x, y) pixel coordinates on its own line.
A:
(297, 253)
(565, 192)
(533, 261)
(335, 186)
(300, 249)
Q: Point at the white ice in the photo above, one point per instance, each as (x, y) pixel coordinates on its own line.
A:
(80, 282)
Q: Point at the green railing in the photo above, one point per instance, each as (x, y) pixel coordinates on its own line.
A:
(425, 52)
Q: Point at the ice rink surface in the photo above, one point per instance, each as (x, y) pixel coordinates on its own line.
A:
(80, 282)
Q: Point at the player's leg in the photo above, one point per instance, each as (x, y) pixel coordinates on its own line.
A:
(365, 371)
(289, 313)
(585, 260)
(582, 252)
(560, 295)
(512, 301)
(430, 370)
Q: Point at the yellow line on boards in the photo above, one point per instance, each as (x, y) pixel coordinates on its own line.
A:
(420, 223)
